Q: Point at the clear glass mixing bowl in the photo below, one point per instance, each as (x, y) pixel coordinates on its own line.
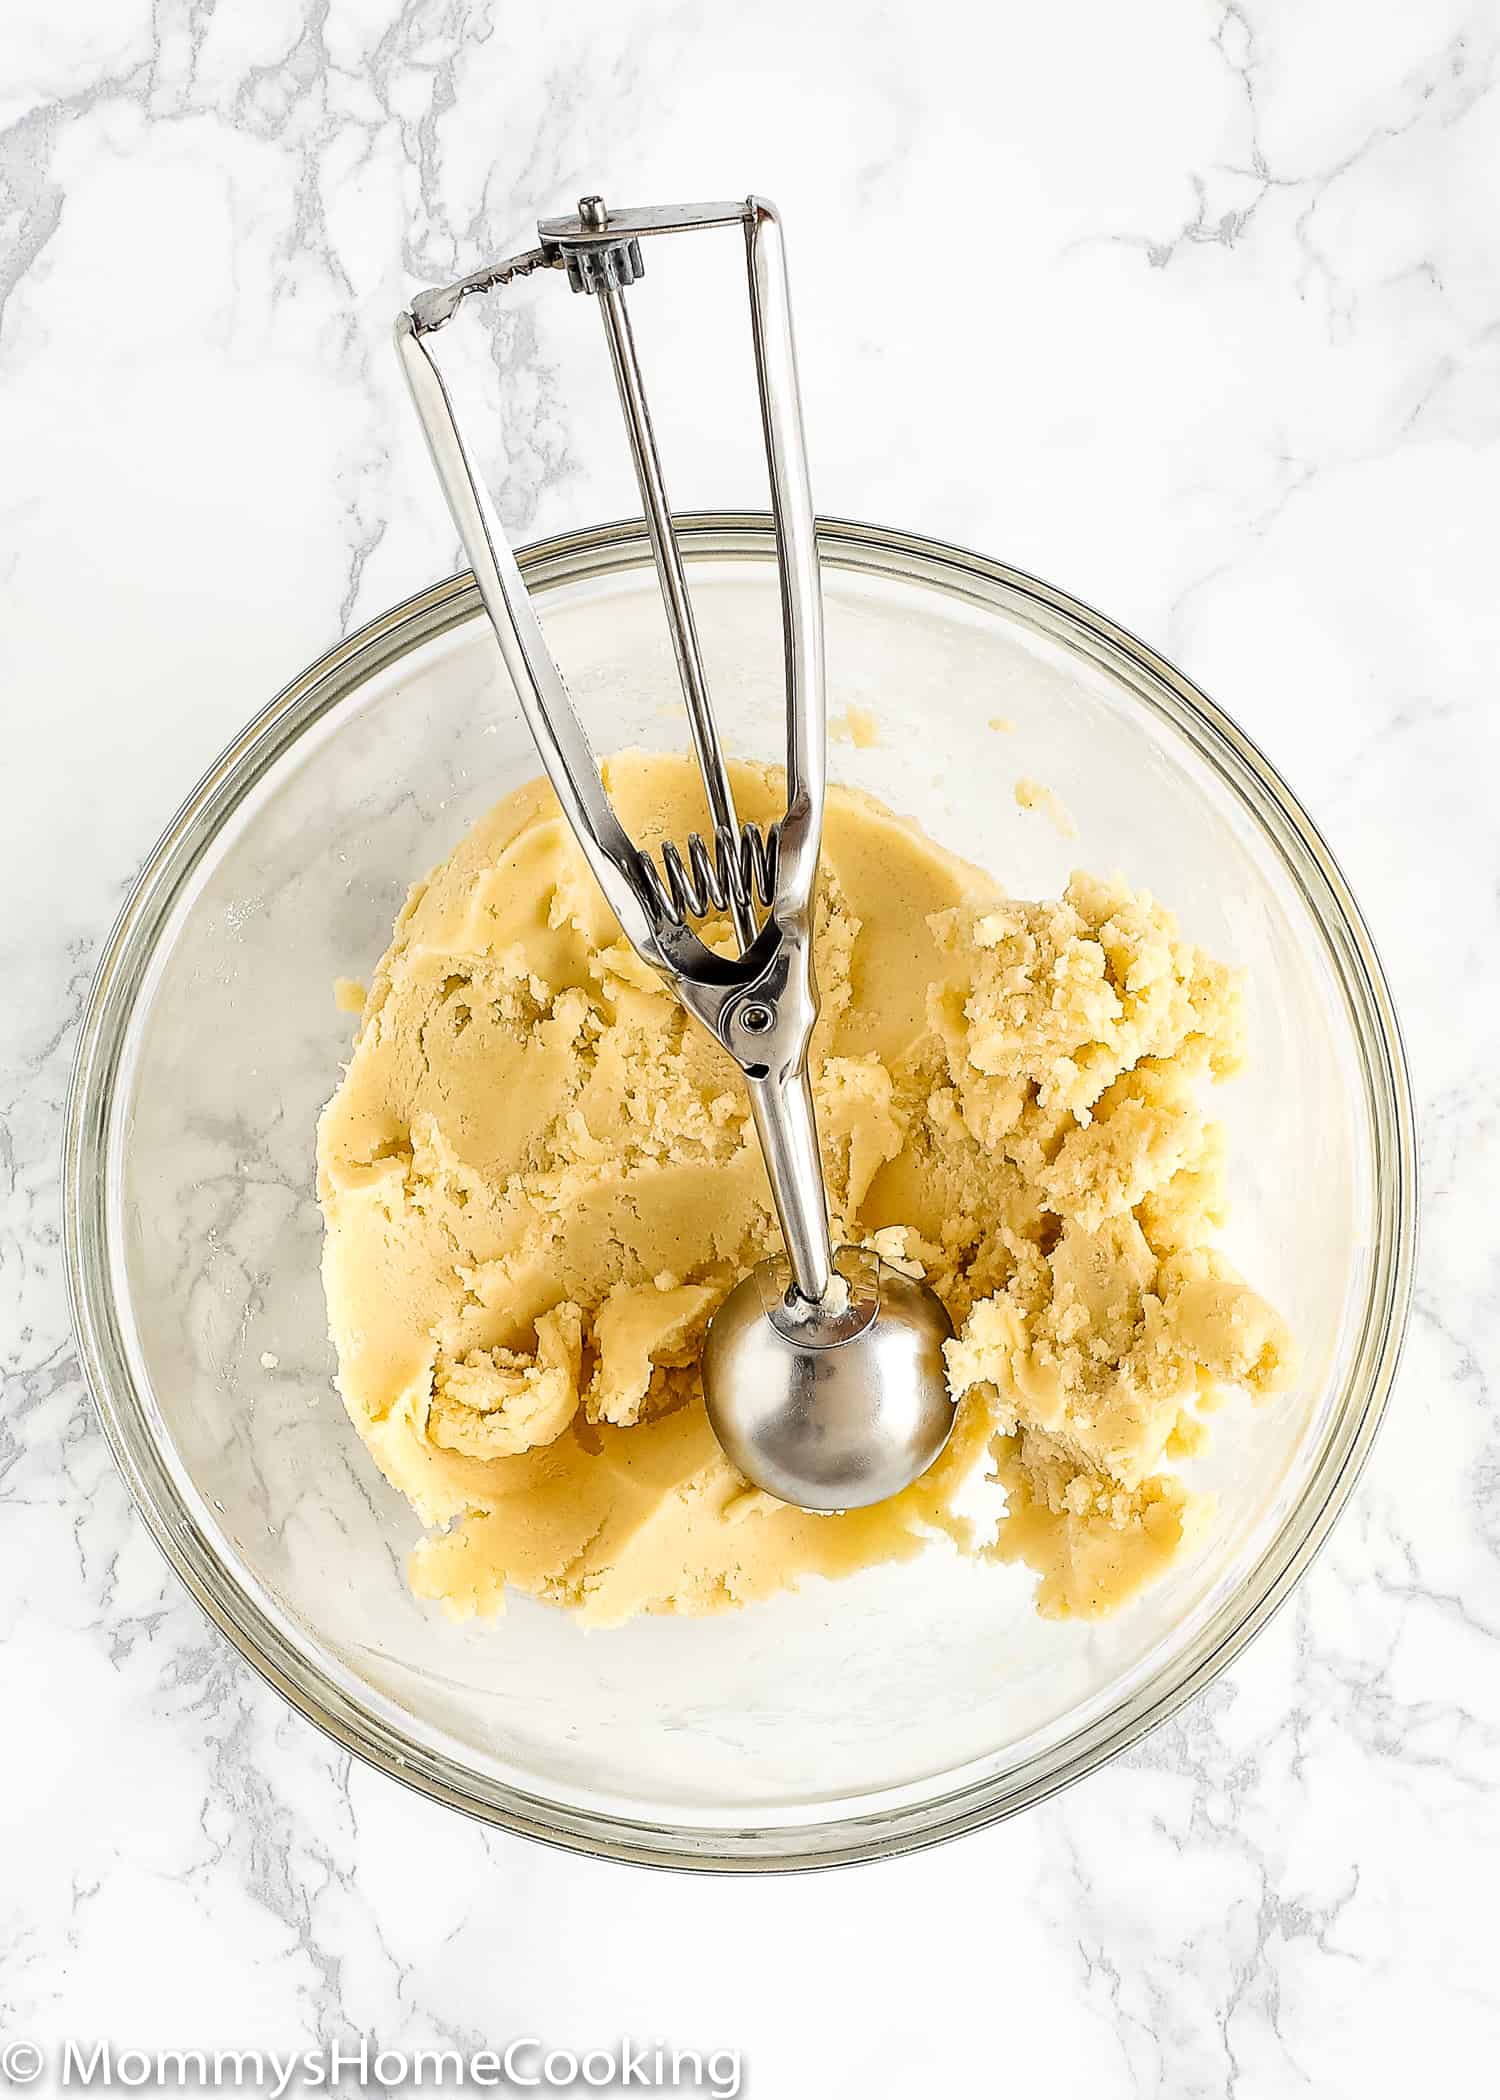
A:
(850, 1720)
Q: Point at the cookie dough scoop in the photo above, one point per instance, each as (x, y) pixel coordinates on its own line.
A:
(823, 1371)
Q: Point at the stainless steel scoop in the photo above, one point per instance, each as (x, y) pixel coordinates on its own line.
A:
(823, 1378)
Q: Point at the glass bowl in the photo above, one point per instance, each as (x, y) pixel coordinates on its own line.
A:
(850, 1720)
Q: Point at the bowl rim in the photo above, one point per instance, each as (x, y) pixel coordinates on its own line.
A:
(613, 548)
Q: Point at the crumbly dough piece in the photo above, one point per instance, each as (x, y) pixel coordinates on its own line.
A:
(539, 1180)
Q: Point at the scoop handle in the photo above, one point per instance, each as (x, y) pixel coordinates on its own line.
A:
(801, 830)
(789, 1140)
(767, 1032)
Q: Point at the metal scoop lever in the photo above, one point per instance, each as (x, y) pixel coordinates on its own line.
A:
(808, 1395)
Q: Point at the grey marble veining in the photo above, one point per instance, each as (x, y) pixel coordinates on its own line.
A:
(1192, 309)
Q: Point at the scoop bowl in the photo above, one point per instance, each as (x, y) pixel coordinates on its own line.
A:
(830, 1406)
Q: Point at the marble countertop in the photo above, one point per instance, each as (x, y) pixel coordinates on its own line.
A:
(1193, 309)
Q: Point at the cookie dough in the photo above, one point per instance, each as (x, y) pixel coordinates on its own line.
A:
(1031, 794)
(539, 1180)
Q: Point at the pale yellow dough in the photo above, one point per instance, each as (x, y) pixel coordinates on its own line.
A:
(539, 1180)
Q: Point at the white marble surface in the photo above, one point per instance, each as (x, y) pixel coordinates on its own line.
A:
(1194, 309)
